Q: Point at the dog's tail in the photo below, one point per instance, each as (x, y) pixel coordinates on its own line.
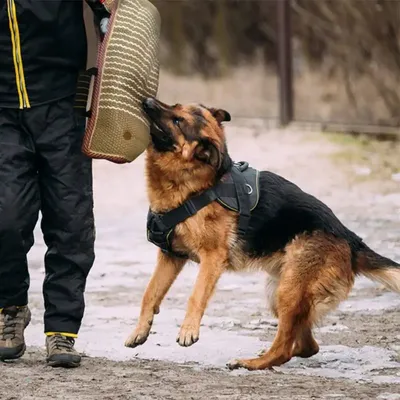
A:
(378, 268)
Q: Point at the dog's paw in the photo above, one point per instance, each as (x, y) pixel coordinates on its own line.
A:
(252, 364)
(188, 335)
(138, 337)
(234, 364)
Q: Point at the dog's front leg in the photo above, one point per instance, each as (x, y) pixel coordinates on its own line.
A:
(167, 270)
(212, 265)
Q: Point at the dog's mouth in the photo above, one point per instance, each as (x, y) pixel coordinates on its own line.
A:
(162, 141)
(152, 110)
(161, 136)
(156, 129)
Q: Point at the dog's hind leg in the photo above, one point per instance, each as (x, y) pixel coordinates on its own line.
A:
(316, 276)
(305, 345)
(167, 270)
(293, 313)
(271, 285)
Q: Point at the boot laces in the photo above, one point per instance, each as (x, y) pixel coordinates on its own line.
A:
(61, 342)
(10, 322)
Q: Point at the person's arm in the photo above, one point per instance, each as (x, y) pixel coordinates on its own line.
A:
(101, 15)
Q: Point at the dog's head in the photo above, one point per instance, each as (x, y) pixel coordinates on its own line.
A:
(188, 137)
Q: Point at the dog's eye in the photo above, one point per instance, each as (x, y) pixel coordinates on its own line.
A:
(176, 121)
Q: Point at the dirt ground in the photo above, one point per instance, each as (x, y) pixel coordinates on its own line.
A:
(360, 349)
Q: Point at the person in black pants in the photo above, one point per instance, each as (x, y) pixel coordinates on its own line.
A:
(43, 50)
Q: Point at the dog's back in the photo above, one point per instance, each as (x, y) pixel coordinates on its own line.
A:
(285, 211)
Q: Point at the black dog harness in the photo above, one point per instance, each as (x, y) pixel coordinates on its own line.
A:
(238, 190)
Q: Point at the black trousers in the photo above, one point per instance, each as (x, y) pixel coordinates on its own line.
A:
(43, 169)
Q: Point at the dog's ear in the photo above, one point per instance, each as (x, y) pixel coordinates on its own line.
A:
(220, 115)
(208, 152)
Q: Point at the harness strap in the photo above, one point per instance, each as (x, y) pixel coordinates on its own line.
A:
(243, 200)
(187, 209)
(161, 227)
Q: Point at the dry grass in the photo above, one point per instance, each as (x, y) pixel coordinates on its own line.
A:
(368, 160)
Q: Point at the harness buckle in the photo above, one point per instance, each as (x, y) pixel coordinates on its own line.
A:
(155, 223)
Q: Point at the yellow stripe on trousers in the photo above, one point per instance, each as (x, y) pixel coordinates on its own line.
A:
(10, 21)
(17, 56)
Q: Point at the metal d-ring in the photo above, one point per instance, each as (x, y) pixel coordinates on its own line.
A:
(250, 189)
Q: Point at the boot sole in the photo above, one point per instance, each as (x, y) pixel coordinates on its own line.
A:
(63, 362)
(6, 357)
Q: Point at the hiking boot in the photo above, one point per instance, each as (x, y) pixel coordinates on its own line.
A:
(61, 352)
(13, 321)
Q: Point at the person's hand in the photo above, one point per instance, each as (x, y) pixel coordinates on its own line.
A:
(101, 15)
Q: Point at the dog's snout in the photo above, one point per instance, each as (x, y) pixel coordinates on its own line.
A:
(149, 103)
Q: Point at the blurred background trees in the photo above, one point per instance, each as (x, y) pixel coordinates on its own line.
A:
(351, 45)
(209, 36)
(354, 39)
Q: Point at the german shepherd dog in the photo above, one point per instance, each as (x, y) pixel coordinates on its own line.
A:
(310, 257)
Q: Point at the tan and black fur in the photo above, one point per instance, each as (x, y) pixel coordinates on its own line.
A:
(310, 257)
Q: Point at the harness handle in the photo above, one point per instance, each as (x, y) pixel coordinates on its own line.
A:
(243, 200)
